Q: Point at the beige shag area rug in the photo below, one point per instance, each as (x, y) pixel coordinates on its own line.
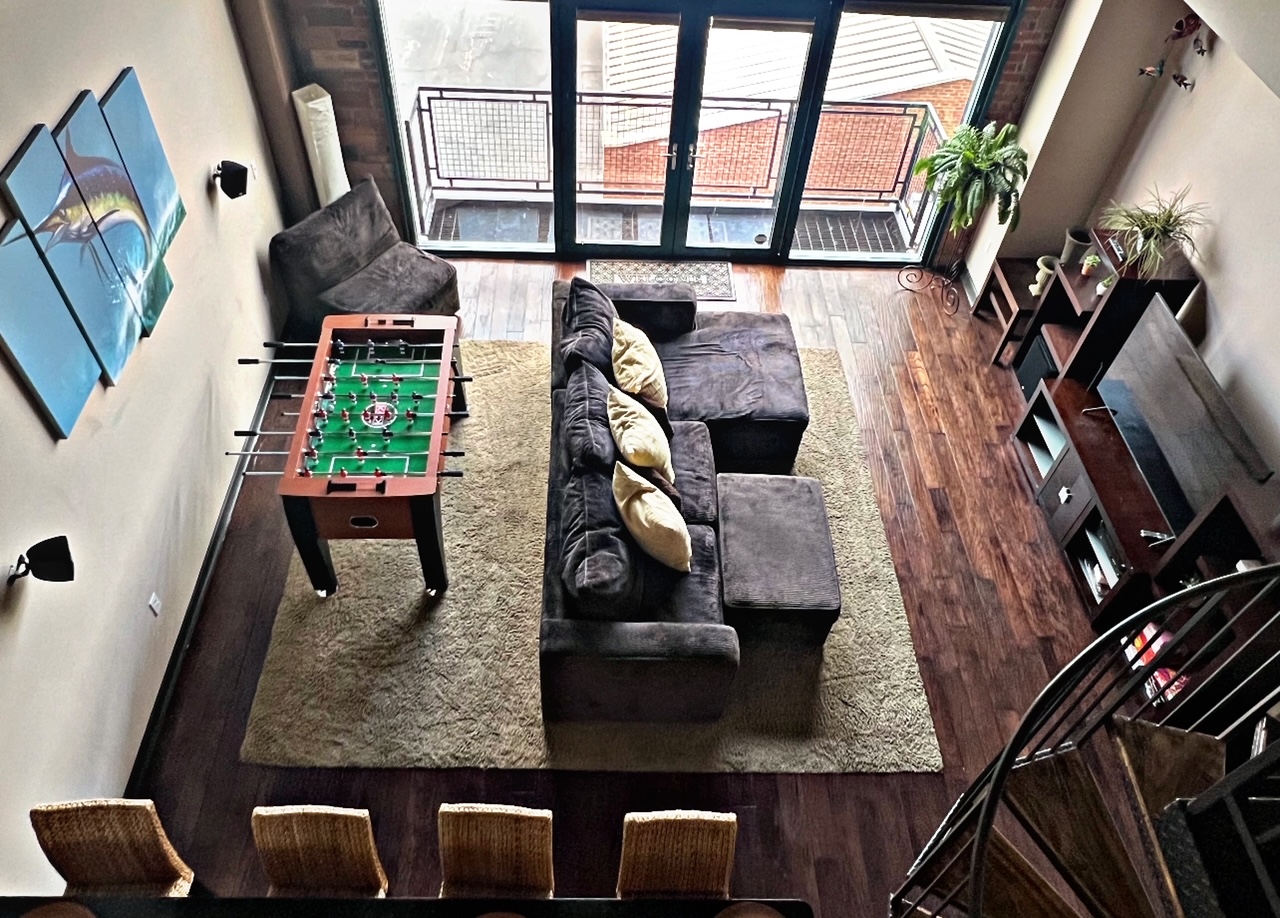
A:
(380, 676)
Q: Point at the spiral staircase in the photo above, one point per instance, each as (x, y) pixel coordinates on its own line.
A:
(1143, 782)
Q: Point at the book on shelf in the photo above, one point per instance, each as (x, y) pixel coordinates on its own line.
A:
(1161, 684)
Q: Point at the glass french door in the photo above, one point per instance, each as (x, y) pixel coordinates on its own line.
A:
(683, 124)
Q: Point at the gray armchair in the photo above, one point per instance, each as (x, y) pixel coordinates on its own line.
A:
(348, 258)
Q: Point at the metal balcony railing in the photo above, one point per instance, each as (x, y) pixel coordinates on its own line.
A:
(495, 144)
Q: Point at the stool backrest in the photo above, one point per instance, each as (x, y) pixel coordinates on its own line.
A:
(318, 850)
(111, 846)
(493, 851)
(677, 853)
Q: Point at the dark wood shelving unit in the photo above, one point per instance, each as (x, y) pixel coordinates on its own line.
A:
(1153, 446)
(1010, 299)
(1084, 331)
(1093, 496)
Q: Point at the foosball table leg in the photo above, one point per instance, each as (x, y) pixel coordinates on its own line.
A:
(428, 533)
(313, 550)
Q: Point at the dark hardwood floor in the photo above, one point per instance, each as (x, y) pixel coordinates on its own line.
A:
(993, 615)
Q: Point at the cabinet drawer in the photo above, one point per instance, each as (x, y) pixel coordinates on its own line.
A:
(1065, 495)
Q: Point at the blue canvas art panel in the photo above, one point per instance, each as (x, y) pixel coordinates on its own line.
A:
(99, 173)
(136, 138)
(39, 336)
(43, 195)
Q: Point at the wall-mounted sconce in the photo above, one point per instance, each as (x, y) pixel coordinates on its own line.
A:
(231, 177)
(47, 560)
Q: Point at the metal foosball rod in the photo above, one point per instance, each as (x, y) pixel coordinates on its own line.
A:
(278, 344)
(257, 452)
(253, 361)
(262, 433)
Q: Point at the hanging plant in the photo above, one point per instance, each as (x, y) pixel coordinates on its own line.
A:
(974, 167)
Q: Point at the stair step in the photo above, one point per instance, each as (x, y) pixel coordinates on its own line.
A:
(1195, 890)
(1013, 887)
(1161, 765)
(1165, 763)
(1061, 806)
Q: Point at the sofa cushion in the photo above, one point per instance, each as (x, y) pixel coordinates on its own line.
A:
(661, 311)
(695, 468)
(587, 333)
(636, 365)
(403, 279)
(638, 436)
(598, 564)
(652, 519)
(672, 596)
(735, 366)
(588, 438)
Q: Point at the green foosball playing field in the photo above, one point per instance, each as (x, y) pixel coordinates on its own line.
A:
(377, 407)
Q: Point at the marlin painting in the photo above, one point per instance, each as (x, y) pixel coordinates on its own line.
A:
(96, 195)
(42, 191)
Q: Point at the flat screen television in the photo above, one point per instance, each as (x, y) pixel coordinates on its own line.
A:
(1175, 418)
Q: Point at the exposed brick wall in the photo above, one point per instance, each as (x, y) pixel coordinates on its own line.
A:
(1025, 57)
(334, 46)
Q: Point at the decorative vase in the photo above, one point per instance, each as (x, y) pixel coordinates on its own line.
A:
(1077, 242)
(1046, 265)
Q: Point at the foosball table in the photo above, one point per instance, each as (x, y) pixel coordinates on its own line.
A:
(368, 453)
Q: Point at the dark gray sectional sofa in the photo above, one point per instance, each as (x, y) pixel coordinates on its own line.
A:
(623, 637)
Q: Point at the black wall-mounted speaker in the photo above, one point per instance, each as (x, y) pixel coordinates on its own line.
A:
(233, 178)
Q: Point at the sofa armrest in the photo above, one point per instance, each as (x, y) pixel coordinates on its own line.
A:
(661, 311)
(636, 671)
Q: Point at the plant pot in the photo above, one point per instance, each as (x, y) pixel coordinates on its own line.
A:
(1102, 288)
(1077, 241)
(1087, 270)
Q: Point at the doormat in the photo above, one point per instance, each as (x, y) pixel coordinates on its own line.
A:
(711, 280)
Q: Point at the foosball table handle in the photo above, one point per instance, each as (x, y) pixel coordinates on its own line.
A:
(449, 473)
(454, 415)
(463, 378)
(457, 453)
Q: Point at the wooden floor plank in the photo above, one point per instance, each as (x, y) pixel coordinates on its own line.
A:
(987, 595)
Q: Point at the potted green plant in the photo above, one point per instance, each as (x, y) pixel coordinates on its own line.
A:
(973, 167)
(1089, 264)
(1149, 233)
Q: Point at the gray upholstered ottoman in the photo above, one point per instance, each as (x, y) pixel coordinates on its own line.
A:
(778, 568)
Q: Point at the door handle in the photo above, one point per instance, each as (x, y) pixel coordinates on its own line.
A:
(693, 155)
(673, 156)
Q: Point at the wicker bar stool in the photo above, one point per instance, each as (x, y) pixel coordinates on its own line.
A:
(677, 853)
(318, 851)
(495, 851)
(111, 848)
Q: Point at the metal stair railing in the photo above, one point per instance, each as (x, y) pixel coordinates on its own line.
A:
(1200, 624)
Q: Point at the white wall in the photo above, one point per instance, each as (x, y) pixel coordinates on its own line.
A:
(1080, 112)
(1218, 139)
(138, 486)
(1252, 28)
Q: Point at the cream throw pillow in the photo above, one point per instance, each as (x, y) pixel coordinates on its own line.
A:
(636, 366)
(639, 438)
(652, 519)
